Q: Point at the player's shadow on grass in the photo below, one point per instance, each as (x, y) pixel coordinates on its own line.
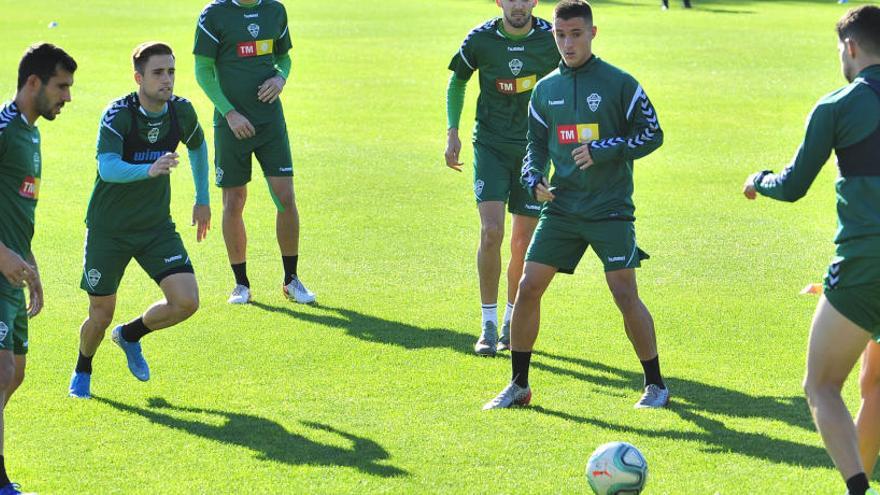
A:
(270, 440)
(375, 329)
(695, 402)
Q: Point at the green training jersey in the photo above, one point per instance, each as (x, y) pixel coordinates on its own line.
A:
(244, 42)
(20, 169)
(598, 104)
(848, 122)
(509, 69)
(128, 131)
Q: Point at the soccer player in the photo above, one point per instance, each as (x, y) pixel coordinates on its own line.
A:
(129, 212)
(511, 53)
(592, 120)
(242, 64)
(45, 75)
(848, 313)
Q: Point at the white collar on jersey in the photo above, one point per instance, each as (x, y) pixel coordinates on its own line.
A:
(147, 114)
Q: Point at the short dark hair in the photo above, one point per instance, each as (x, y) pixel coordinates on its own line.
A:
(147, 49)
(43, 61)
(569, 9)
(862, 25)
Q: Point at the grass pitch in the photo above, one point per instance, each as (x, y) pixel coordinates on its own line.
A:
(376, 390)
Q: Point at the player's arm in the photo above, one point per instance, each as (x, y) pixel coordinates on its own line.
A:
(643, 137)
(793, 182)
(271, 88)
(16, 270)
(536, 163)
(197, 149)
(35, 290)
(463, 65)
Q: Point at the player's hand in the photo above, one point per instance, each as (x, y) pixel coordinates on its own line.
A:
(163, 165)
(453, 148)
(16, 270)
(202, 220)
(35, 296)
(240, 125)
(270, 89)
(582, 157)
(749, 189)
(543, 192)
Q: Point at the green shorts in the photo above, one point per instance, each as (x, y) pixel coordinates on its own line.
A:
(13, 319)
(561, 241)
(852, 286)
(232, 156)
(160, 253)
(497, 170)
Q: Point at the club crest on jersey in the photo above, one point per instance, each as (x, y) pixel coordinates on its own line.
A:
(577, 134)
(153, 135)
(478, 188)
(4, 331)
(593, 101)
(37, 162)
(30, 188)
(254, 29)
(516, 66)
(218, 175)
(93, 277)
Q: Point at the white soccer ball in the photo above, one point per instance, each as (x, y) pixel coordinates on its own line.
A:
(617, 468)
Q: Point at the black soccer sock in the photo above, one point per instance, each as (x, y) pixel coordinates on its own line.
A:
(134, 330)
(240, 272)
(84, 364)
(4, 479)
(520, 363)
(857, 485)
(652, 372)
(289, 267)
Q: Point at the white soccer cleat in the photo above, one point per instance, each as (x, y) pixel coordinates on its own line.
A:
(512, 395)
(240, 295)
(653, 398)
(296, 291)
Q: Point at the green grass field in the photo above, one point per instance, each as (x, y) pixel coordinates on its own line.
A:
(376, 389)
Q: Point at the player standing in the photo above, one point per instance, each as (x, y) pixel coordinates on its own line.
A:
(848, 314)
(129, 212)
(242, 64)
(511, 53)
(45, 75)
(592, 120)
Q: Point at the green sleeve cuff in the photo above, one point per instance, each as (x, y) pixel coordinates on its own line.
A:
(454, 101)
(206, 76)
(283, 63)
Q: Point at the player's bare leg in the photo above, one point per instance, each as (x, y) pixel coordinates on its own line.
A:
(235, 236)
(181, 301)
(287, 232)
(639, 327)
(18, 378)
(868, 418)
(91, 333)
(835, 345)
(489, 270)
(521, 232)
(7, 374)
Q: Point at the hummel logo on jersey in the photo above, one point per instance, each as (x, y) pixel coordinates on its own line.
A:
(30, 188)
(593, 101)
(254, 29)
(286, 169)
(533, 207)
(154, 124)
(37, 162)
(251, 16)
(516, 48)
(515, 65)
(514, 86)
(93, 277)
(554, 103)
(255, 48)
(615, 259)
(153, 135)
(579, 133)
(174, 258)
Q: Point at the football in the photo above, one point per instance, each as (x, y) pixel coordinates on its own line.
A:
(617, 468)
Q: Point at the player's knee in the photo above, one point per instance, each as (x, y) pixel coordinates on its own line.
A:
(491, 235)
(528, 290)
(518, 245)
(624, 295)
(869, 380)
(233, 203)
(186, 306)
(18, 379)
(101, 317)
(7, 373)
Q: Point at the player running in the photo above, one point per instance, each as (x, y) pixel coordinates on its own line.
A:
(592, 120)
(129, 212)
(511, 53)
(45, 75)
(848, 314)
(242, 64)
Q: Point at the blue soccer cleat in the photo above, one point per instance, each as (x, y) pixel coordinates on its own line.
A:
(12, 489)
(80, 385)
(136, 362)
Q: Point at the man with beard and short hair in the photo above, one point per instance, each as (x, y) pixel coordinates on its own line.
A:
(511, 53)
(45, 76)
(129, 212)
(847, 316)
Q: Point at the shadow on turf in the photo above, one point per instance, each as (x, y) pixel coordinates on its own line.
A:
(269, 439)
(693, 402)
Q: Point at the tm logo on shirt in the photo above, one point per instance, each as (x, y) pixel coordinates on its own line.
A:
(255, 48)
(577, 133)
(30, 188)
(514, 86)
